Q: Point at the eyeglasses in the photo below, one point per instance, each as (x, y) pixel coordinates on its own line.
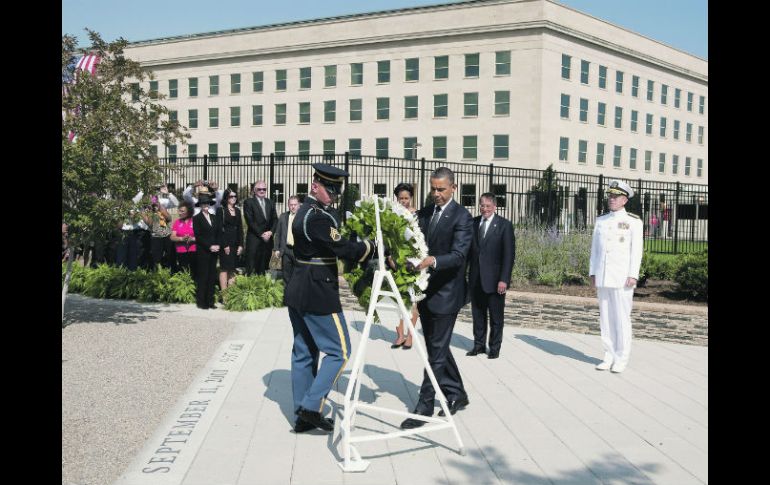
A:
(261, 190)
(233, 197)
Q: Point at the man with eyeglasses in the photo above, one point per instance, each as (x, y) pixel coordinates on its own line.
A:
(261, 221)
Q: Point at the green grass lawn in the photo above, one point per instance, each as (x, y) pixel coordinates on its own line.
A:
(666, 246)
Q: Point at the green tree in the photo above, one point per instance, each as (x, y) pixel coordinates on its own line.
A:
(111, 158)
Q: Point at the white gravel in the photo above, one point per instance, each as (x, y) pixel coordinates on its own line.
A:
(124, 364)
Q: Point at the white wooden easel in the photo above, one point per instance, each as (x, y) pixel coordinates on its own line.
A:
(352, 461)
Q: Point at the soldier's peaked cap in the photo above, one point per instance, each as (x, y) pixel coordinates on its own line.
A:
(331, 177)
(621, 188)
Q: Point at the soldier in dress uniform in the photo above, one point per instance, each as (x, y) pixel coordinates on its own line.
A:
(616, 255)
(313, 298)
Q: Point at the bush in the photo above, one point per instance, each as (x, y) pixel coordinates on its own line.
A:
(693, 275)
(659, 266)
(249, 293)
(548, 257)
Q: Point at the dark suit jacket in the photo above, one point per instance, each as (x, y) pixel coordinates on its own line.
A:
(282, 232)
(450, 243)
(256, 222)
(206, 234)
(492, 257)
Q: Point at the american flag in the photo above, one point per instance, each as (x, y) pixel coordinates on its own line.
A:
(88, 64)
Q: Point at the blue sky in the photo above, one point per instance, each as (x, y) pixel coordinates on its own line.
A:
(682, 24)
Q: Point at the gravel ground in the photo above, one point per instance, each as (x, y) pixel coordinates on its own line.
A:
(124, 364)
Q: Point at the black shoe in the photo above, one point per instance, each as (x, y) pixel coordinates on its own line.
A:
(212, 307)
(315, 418)
(476, 351)
(412, 423)
(397, 344)
(301, 425)
(202, 307)
(455, 406)
(493, 355)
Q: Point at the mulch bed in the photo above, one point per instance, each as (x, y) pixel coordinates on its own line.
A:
(654, 291)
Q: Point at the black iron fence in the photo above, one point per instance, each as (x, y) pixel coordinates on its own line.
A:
(675, 215)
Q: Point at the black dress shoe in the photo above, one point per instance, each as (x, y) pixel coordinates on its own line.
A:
(455, 406)
(411, 423)
(202, 307)
(315, 418)
(301, 425)
(493, 355)
(476, 351)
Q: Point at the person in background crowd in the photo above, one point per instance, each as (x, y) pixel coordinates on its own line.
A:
(207, 187)
(261, 221)
(161, 246)
(231, 239)
(284, 239)
(64, 243)
(208, 230)
(405, 196)
(183, 236)
(132, 251)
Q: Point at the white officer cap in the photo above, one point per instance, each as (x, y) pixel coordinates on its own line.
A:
(621, 188)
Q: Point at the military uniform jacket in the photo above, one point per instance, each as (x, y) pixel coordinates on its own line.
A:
(616, 249)
(314, 286)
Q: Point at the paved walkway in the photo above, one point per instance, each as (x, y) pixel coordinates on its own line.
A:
(540, 414)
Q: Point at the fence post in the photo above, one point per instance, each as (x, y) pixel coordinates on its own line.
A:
(205, 167)
(272, 171)
(600, 195)
(675, 214)
(549, 188)
(422, 183)
(345, 194)
(491, 175)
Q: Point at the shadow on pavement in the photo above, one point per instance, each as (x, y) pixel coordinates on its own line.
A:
(78, 309)
(555, 348)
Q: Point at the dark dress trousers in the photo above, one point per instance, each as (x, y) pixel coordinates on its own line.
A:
(281, 245)
(449, 243)
(206, 235)
(257, 250)
(490, 262)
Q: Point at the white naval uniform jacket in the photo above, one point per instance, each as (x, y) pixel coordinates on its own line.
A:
(616, 249)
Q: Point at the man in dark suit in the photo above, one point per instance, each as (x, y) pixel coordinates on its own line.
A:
(491, 261)
(261, 219)
(284, 239)
(448, 229)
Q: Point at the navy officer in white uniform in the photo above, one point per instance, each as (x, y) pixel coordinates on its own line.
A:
(616, 255)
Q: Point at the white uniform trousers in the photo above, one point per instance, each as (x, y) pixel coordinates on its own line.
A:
(615, 322)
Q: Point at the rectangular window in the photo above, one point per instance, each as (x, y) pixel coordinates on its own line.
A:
(662, 163)
(603, 77)
(280, 114)
(173, 88)
(689, 102)
(468, 195)
(701, 104)
(192, 118)
(564, 107)
(700, 135)
(650, 90)
(470, 147)
(305, 79)
(213, 117)
(563, 148)
(410, 107)
(329, 149)
(470, 104)
(441, 67)
(354, 148)
(383, 72)
(566, 64)
(500, 191)
(235, 116)
(153, 89)
(700, 167)
(412, 69)
(235, 83)
(584, 71)
(600, 154)
(410, 150)
(502, 63)
(192, 87)
(687, 166)
(688, 133)
(280, 80)
(192, 153)
(301, 192)
(582, 151)
(256, 115)
(355, 109)
(439, 147)
(213, 152)
(172, 153)
(634, 120)
(675, 164)
(676, 129)
(279, 149)
(601, 113)
(381, 147)
(502, 102)
(330, 76)
(616, 156)
(440, 108)
(256, 151)
(500, 146)
(304, 112)
(663, 126)
(303, 149)
(257, 81)
(663, 94)
(648, 130)
(618, 117)
(356, 74)
(635, 86)
(135, 91)
(584, 110)
(619, 82)
(471, 65)
(677, 97)
(632, 159)
(380, 190)
(383, 108)
(330, 111)
(213, 85)
(647, 160)
(235, 152)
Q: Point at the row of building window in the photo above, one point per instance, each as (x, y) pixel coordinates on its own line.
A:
(501, 106)
(632, 158)
(566, 73)
(472, 69)
(601, 115)
(500, 148)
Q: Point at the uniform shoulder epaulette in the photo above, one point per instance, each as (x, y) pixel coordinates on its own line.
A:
(633, 215)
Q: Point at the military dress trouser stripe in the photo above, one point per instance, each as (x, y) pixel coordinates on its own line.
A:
(330, 334)
(615, 322)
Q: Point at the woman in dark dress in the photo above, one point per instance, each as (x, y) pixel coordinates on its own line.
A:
(231, 239)
(208, 231)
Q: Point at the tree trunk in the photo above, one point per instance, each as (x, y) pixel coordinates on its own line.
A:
(70, 258)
